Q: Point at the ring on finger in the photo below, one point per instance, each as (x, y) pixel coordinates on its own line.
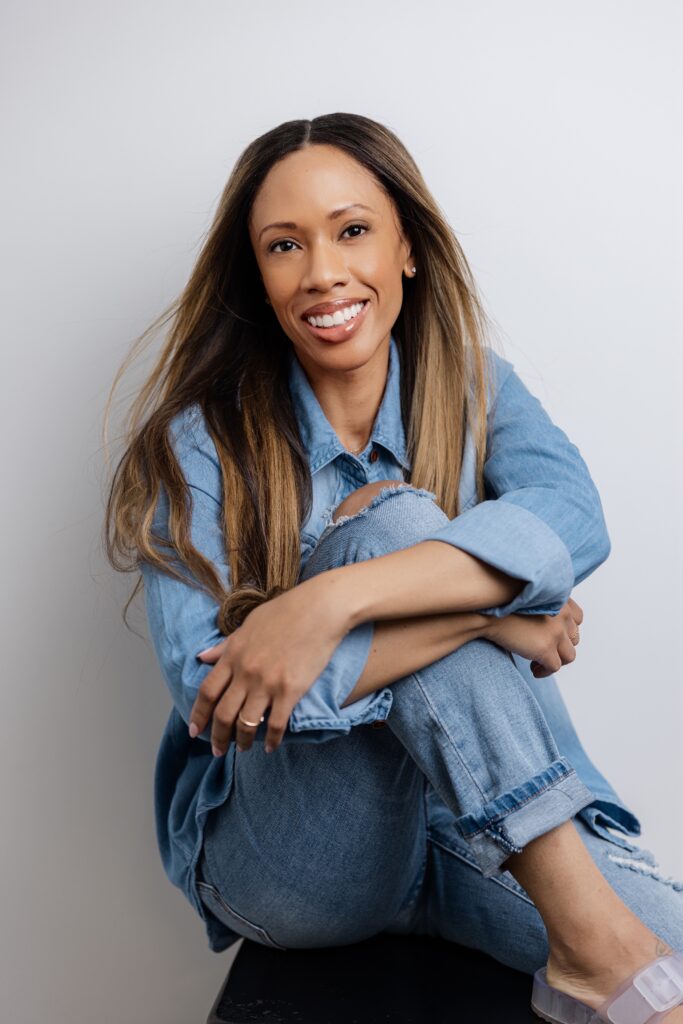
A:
(252, 725)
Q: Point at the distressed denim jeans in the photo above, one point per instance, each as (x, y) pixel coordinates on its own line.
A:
(406, 828)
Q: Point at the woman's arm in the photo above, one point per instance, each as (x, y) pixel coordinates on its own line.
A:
(429, 578)
(402, 646)
(542, 519)
(540, 531)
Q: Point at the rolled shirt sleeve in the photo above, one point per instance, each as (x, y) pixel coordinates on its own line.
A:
(182, 618)
(542, 520)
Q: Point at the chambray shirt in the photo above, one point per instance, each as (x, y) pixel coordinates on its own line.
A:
(541, 521)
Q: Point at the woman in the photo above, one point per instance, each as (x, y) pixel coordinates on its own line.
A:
(349, 512)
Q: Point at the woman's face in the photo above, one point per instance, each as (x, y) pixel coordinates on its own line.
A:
(316, 259)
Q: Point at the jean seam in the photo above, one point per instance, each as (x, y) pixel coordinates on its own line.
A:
(446, 733)
(425, 857)
(212, 890)
(417, 885)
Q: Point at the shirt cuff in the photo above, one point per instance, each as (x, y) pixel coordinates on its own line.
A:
(519, 543)
(320, 707)
(318, 715)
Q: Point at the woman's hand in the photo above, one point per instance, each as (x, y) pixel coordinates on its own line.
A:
(547, 641)
(270, 661)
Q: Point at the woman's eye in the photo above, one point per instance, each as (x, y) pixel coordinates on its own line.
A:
(364, 227)
(285, 241)
(288, 241)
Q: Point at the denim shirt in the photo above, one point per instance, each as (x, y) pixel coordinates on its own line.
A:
(541, 522)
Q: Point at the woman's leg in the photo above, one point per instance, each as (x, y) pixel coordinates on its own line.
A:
(318, 844)
(322, 844)
(473, 726)
(497, 915)
(311, 844)
(474, 730)
(469, 720)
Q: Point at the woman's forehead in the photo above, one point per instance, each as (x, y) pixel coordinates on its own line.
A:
(315, 183)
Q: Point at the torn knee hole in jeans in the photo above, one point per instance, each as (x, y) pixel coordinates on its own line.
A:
(645, 865)
(382, 495)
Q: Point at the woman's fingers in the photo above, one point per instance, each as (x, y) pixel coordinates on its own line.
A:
(251, 711)
(229, 720)
(225, 721)
(576, 610)
(208, 695)
(278, 720)
(213, 653)
(567, 651)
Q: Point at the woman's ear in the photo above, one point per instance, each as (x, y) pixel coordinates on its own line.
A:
(409, 267)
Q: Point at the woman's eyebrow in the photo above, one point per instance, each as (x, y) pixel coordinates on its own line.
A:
(291, 226)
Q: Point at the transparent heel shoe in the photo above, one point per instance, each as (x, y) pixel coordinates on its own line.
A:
(646, 997)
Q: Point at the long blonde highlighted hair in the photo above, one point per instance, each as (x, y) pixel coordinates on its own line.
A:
(224, 340)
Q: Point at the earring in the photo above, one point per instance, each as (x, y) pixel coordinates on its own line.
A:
(414, 270)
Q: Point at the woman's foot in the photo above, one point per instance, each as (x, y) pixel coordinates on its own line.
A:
(593, 972)
(595, 941)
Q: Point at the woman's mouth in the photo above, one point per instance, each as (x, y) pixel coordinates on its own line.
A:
(324, 327)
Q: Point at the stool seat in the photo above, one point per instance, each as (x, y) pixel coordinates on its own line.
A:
(388, 979)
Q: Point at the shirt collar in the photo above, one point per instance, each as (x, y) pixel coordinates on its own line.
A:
(321, 442)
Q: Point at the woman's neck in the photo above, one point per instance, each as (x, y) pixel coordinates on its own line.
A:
(350, 399)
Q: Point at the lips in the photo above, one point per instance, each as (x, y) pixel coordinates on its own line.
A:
(329, 307)
(336, 333)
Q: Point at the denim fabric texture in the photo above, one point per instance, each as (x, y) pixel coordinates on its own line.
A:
(406, 829)
(542, 522)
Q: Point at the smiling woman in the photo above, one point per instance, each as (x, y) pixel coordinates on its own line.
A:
(329, 251)
(347, 510)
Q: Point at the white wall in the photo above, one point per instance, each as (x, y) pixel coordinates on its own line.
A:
(548, 135)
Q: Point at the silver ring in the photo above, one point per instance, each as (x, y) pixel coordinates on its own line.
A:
(252, 725)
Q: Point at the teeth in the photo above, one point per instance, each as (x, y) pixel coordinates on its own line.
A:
(340, 316)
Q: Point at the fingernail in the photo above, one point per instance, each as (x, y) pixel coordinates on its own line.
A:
(269, 749)
(194, 729)
(215, 751)
(239, 747)
(202, 653)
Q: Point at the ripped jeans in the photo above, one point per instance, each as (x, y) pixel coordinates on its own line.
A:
(406, 828)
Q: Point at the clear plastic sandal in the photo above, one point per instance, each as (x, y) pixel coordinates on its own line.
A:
(646, 997)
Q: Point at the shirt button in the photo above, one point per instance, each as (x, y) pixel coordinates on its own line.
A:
(374, 455)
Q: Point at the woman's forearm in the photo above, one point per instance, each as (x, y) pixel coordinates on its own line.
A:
(404, 645)
(429, 578)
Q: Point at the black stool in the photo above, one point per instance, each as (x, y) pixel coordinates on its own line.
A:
(389, 979)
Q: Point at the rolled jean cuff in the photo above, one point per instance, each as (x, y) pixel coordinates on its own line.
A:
(505, 825)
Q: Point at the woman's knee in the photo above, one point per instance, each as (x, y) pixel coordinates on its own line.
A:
(355, 501)
(388, 515)
(395, 515)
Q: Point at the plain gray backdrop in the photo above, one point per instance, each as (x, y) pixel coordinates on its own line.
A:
(550, 135)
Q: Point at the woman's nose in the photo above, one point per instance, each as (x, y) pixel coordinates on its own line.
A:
(325, 268)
